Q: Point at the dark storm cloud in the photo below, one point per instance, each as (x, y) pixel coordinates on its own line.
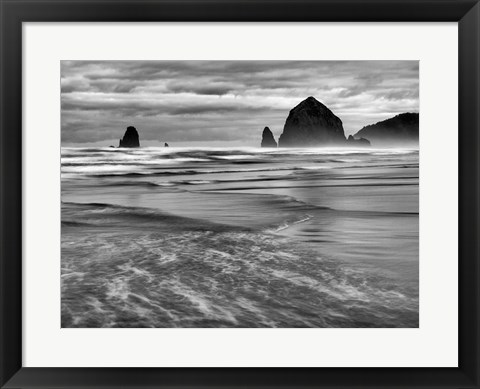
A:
(189, 101)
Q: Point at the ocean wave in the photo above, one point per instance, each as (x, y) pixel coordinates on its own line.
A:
(147, 174)
(192, 172)
(139, 184)
(226, 155)
(103, 163)
(289, 223)
(105, 215)
(197, 182)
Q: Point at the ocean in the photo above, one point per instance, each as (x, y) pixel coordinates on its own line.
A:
(240, 237)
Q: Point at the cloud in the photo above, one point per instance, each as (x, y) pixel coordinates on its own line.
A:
(189, 101)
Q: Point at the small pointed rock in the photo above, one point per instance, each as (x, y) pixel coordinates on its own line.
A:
(267, 138)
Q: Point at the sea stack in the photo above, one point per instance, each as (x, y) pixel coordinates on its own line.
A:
(267, 138)
(400, 129)
(130, 139)
(357, 142)
(312, 124)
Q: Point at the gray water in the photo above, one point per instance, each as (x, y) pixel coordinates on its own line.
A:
(181, 237)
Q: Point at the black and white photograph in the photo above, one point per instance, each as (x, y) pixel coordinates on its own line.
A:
(239, 194)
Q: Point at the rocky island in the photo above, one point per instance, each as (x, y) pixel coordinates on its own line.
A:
(312, 124)
(130, 139)
(267, 138)
(401, 129)
(358, 142)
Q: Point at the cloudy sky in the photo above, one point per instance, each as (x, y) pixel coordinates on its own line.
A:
(223, 103)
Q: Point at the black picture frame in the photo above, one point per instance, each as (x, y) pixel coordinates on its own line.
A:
(15, 12)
